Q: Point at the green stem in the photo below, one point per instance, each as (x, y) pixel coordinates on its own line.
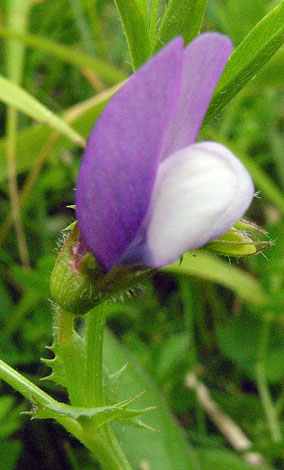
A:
(107, 450)
(263, 389)
(23, 385)
(64, 324)
(103, 441)
(33, 393)
(74, 372)
(94, 356)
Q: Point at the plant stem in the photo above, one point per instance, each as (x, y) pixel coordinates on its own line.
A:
(107, 450)
(94, 356)
(23, 385)
(82, 386)
(33, 393)
(263, 389)
(103, 442)
(64, 323)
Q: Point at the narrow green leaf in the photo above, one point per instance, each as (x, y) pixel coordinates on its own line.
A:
(104, 414)
(136, 30)
(144, 7)
(14, 95)
(60, 367)
(249, 57)
(182, 18)
(153, 23)
(31, 141)
(166, 449)
(214, 269)
(67, 54)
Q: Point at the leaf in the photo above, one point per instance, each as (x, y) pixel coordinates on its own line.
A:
(136, 30)
(153, 23)
(32, 140)
(166, 449)
(205, 266)
(9, 416)
(67, 54)
(239, 340)
(6, 301)
(68, 367)
(14, 95)
(230, 19)
(273, 74)
(219, 459)
(144, 7)
(174, 350)
(182, 18)
(99, 416)
(10, 452)
(249, 57)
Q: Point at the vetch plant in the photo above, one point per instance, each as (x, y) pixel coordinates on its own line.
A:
(146, 193)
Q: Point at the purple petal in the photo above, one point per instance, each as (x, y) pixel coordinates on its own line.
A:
(204, 61)
(119, 167)
(199, 194)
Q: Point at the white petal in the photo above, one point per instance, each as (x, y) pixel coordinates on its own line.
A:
(200, 192)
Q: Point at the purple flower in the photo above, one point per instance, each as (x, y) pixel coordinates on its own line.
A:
(146, 193)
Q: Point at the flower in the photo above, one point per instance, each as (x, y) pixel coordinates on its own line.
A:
(146, 192)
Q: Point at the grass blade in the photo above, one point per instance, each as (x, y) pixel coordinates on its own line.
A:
(14, 95)
(214, 269)
(67, 54)
(182, 18)
(32, 140)
(249, 57)
(136, 30)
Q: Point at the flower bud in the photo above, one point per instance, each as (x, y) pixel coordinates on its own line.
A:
(240, 240)
(78, 282)
(74, 276)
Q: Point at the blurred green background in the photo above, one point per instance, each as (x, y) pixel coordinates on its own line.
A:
(212, 322)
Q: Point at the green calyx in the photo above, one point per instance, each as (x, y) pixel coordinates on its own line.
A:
(78, 282)
(243, 239)
(74, 276)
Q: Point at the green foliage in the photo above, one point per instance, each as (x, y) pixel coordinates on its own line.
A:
(98, 416)
(249, 57)
(134, 20)
(171, 449)
(214, 269)
(181, 19)
(9, 416)
(15, 96)
(9, 451)
(67, 54)
(32, 140)
(221, 320)
(239, 340)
